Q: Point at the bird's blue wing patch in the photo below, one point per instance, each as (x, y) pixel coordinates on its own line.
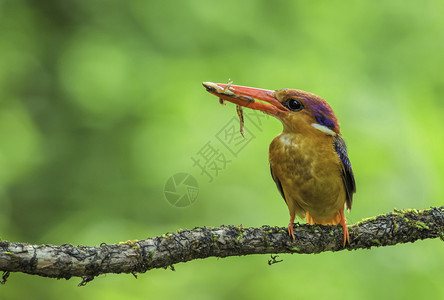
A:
(347, 172)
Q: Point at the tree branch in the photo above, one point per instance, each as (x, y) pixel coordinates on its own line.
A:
(68, 261)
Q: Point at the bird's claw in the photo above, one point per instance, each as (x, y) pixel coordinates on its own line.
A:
(291, 230)
(343, 223)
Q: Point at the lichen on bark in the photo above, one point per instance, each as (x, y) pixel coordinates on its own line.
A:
(138, 256)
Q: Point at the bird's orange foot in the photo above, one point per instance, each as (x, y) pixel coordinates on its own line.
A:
(344, 228)
(290, 230)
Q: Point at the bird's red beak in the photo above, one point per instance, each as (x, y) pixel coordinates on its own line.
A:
(246, 97)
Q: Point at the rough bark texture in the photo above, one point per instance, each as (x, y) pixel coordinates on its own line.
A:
(68, 261)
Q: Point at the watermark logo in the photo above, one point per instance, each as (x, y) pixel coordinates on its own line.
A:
(213, 158)
(181, 190)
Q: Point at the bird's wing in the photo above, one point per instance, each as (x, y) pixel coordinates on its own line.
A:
(278, 183)
(347, 173)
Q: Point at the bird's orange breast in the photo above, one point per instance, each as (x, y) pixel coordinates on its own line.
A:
(309, 171)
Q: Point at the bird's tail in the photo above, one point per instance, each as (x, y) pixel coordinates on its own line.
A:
(333, 220)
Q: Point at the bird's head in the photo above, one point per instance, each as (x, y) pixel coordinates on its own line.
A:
(296, 109)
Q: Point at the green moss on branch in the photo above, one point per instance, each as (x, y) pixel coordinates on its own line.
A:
(138, 256)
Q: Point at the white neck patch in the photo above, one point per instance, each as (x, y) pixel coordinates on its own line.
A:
(324, 129)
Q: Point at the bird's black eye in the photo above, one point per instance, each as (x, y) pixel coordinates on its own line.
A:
(294, 105)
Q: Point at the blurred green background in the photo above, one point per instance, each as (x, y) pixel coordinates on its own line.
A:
(101, 102)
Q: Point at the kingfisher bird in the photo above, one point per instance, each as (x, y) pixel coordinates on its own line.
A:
(308, 160)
